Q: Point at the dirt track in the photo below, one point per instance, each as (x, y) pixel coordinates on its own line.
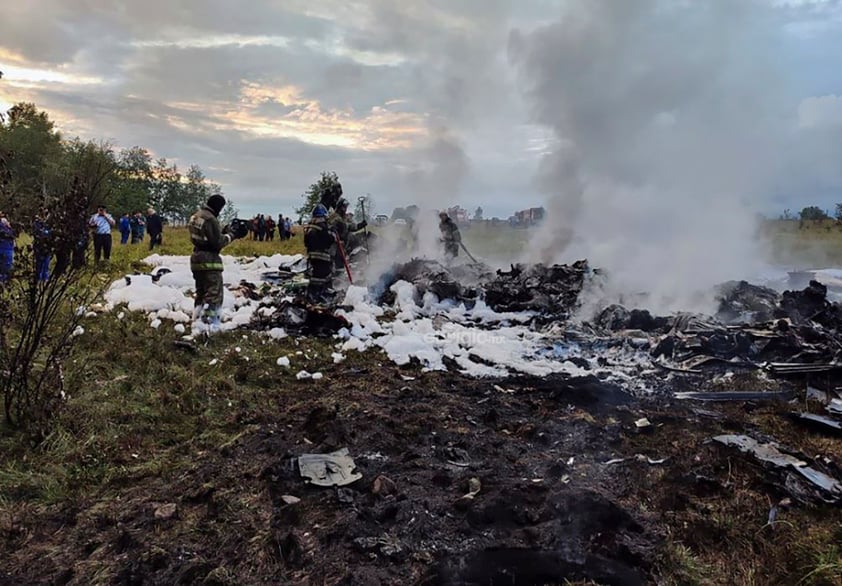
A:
(549, 508)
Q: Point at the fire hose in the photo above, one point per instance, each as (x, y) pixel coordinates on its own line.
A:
(341, 250)
(466, 252)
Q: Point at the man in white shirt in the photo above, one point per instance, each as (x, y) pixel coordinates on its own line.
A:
(102, 222)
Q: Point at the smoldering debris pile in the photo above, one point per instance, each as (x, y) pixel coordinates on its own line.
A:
(740, 301)
(755, 327)
(790, 334)
(297, 316)
(552, 292)
(550, 289)
(458, 282)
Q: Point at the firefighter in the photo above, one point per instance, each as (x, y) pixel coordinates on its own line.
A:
(450, 236)
(319, 240)
(206, 263)
(345, 228)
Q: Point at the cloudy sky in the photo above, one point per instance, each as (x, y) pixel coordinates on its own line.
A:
(443, 101)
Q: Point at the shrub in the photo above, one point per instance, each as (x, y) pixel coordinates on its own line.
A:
(41, 306)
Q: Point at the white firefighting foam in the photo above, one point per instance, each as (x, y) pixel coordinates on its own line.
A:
(480, 341)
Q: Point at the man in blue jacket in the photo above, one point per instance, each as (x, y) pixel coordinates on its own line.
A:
(125, 228)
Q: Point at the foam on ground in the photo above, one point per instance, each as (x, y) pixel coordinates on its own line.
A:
(478, 341)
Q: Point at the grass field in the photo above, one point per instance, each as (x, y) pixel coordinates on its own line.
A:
(144, 414)
(813, 245)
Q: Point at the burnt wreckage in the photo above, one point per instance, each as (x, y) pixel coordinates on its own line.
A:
(789, 334)
(792, 340)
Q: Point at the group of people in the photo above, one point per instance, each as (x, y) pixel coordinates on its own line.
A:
(135, 225)
(263, 228)
(65, 239)
(332, 233)
(326, 238)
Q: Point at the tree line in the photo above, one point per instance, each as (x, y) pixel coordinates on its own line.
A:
(813, 214)
(38, 165)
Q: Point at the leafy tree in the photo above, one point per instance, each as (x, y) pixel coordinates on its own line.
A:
(478, 214)
(362, 209)
(194, 193)
(813, 213)
(838, 214)
(29, 143)
(135, 181)
(319, 191)
(166, 190)
(37, 166)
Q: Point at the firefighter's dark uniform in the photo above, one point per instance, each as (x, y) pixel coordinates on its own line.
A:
(206, 263)
(345, 231)
(450, 237)
(319, 240)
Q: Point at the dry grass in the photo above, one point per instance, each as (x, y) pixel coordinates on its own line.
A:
(812, 245)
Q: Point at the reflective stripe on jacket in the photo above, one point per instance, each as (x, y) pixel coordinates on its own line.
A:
(319, 239)
(208, 241)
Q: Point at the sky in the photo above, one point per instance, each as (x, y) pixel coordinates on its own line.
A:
(445, 102)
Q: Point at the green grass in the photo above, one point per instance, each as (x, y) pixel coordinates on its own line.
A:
(813, 244)
(125, 258)
(142, 408)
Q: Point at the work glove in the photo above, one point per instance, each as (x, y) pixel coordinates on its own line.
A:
(229, 232)
(362, 225)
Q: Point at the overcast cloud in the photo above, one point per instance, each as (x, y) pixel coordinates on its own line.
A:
(445, 101)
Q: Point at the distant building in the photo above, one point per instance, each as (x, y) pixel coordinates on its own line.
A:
(526, 218)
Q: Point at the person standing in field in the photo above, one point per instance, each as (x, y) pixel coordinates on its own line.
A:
(282, 228)
(206, 262)
(125, 228)
(155, 227)
(7, 248)
(41, 245)
(270, 228)
(138, 227)
(102, 223)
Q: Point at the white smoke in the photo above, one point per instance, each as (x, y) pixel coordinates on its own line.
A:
(672, 124)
